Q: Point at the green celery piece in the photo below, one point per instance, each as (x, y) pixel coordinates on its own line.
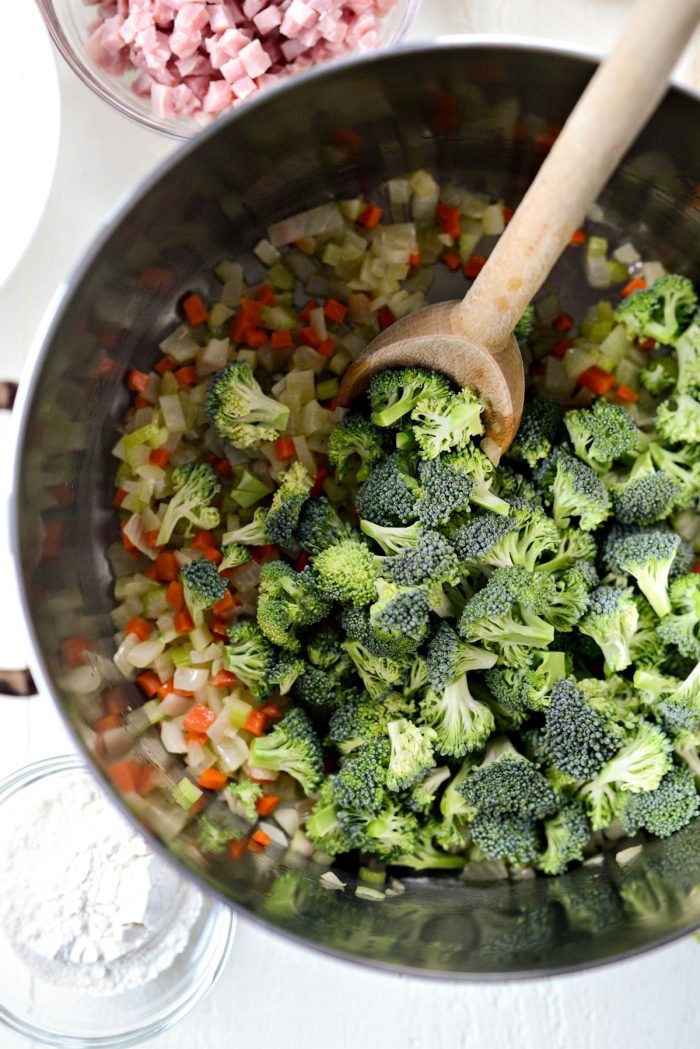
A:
(186, 793)
(249, 490)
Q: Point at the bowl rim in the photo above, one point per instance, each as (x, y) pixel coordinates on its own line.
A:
(39, 349)
(223, 930)
(172, 130)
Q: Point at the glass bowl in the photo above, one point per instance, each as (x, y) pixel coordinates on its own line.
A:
(68, 22)
(77, 1018)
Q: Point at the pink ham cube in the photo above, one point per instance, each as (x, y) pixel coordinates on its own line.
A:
(268, 19)
(255, 59)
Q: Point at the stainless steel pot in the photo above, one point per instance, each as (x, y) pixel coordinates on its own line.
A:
(481, 113)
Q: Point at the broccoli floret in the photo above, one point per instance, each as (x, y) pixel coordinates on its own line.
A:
(455, 812)
(394, 832)
(528, 688)
(361, 719)
(523, 329)
(687, 349)
(638, 766)
(681, 627)
(566, 835)
(444, 491)
(520, 539)
(666, 809)
(195, 487)
(325, 650)
(660, 312)
(396, 391)
(479, 468)
(203, 587)
(380, 675)
(323, 825)
(512, 485)
(432, 560)
(602, 434)
(574, 490)
(400, 610)
(355, 438)
(684, 560)
(571, 598)
(213, 837)
(682, 708)
(360, 785)
(646, 556)
(411, 753)
(346, 571)
(319, 689)
(421, 797)
(506, 613)
(292, 747)
(577, 738)
(539, 431)
(611, 621)
(288, 600)
(648, 495)
(461, 723)
(238, 409)
(389, 495)
(660, 376)
(319, 525)
(252, 534)
(449, 657)
(356, 624)
(507, 784)
(515, 839)
(393, 540)
(678, 419)
(245, 794)
(235, 555)
(652, 688)
(283, 514)
(615, 699)
(285, 670)
(446, 422)
(683, 465)
(425, 856)
(250, 656)
(685, 746)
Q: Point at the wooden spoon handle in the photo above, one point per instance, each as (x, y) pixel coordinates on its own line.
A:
(610, 114)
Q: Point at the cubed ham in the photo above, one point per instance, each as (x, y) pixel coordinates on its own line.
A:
(244, 88)
(252, 7)
(255, 59)
(232, 70)
(224, 16)
(268, 19)
(191, 18)
(184, 42)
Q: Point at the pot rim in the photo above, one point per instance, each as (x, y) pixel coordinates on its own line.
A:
(28, 381)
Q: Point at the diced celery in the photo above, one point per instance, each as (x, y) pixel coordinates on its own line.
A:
(372, 876)
(339, 361)
(492, 220)
(615, 344)
(173, 413)
(154, 603)
(278, 318)
(168, 385)
(267, 254)
(239, 712)
(152, 435)
(627, 374)
(227, 270)
(180, 345)
(327, 389)
(186, 793)
(219, 313)
(200, 638)
(281, 277)
(180, 655)
(249, 490)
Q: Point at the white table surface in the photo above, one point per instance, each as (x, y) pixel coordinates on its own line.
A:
(274, 995)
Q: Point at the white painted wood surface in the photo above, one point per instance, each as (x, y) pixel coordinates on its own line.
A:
(274, 995)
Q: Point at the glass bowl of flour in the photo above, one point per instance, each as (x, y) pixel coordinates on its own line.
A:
(102, 943)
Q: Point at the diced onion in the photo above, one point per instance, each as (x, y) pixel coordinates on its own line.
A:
(187, 679)
(173, 737)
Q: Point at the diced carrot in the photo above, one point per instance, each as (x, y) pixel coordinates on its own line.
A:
(266, 805)
(165, 364)
(225, 605)
(166, 566)
(371, 216)
(281, 340)
(215, 556)
(625, 393)
(386, 318)
(647, 344)
(310, 337)
(126, 542)
(107, 722)
(124, 775)
(259, 553)
(284, 449)
(473, 266)
(153, 278)
(199, 719)
(577, 237)
(220, 628)
(175, 595)
(251, 311)
(212, 779)
(335, 311)
(563, 323)
(141, 402)
(204, 540)
(238, 327)
(559, 349)
(449, 219)
(224, 679)
(696, 568)
(119, 497)
(255, 846)
(139, 626)
(165, 689)
(137, 381)
(146, 779)
(152, 538)
(266, 295)
(149, 683)
(114, 701)
(301, 562)
(74, 649)
(507, 213)
(255, 338)
(195, 310)
(186, 376)
(237, 848)
(159, 457)
(223, 468)
(183, 622)
(306, 311)
(261, 838)
(414, 259)
(151, 573)
(451, 260)
(255, 722)
(271, 710)
(638, 284)
(317, 488)
(597, 380)
(327, 347)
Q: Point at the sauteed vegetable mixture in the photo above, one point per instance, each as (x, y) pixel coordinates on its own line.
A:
(362, 634)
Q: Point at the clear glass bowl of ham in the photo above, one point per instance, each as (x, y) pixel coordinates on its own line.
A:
(175, 65)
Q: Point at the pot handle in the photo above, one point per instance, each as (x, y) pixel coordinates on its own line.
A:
(14, 682)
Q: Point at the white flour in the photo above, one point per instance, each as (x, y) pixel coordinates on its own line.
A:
(84, 900)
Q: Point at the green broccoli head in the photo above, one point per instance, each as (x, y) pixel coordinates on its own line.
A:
(446, 422)
(323, 826)
(292, 747)
(611, 621)
(566, 836)
(325, 650)
(424, 855)
(288, 600)
(320, 689)
(681, 627)
(571, 599)
(411, 754)
(357, 626)
(287, 502)
(471, 461)
(577, 738)
(666, 809)
(527, 688)
(252, 534)
(660, 376)
(449, 657)
(360, 719)
(506, 614)
(393, 540)
(360, 784)
(395, 392)
(245, 794)
(687, 358)
(683, 465)
(390, 493)
(678, 419)
(660, 312)
(573, 489)
(647, 496)
(235, 555)
(681, 709)
(355, 445)
(515, 839)
(250, 656)
(647, 556)
(432, 561)
(401, 611)
(422, 795)
(392, 833)
(444, 491)
(539, 432)
(460, 722)
(203, 587)
(195, 487)
(380, 674)
(507, 784)
(238, 409)
(347, 571)
(602, 434)
(319, 525)
(523, 329)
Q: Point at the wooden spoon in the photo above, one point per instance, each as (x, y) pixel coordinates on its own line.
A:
(471, 341)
